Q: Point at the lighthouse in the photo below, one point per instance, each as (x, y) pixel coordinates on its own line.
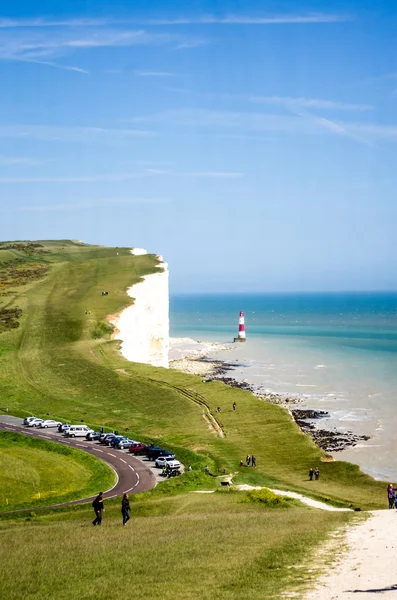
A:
(241, 329)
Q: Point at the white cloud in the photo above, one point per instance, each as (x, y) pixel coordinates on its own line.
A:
(119, 177)
(99, 177)
(299, 122)
(154, 74)
(232, 19)
(94, 203)
(41, 45)
(70, 134)
(21, 160)
(313, 103)
(250, 20)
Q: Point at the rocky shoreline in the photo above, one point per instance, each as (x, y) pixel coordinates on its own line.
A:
(330, 440)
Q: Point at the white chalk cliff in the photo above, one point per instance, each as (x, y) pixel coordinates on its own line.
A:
(143, 328)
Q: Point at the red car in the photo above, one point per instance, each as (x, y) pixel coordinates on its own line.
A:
(137, 448)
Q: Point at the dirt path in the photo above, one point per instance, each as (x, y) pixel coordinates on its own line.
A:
(368, 566)
(304, 499)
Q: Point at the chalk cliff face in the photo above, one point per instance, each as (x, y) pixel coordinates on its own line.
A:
(143, 328)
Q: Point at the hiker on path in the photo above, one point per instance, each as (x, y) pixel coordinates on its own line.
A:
(311, 473)
(248, 460)
(390, 495)
(125, 509)
(98, 509)
(316, 473)
(253, 461)
(234, 406)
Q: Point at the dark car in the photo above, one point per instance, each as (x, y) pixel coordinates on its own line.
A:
(115, 440)
(93, 436)
(153, 452)
(106, 439)
(62, 426)
(137, 448)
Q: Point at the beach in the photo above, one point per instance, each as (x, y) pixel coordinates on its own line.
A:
(334, 356)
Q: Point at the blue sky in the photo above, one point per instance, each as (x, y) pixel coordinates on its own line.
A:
(252, 143)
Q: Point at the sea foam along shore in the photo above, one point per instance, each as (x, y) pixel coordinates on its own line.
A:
(188, 355)
(191, 357)
(143, 327)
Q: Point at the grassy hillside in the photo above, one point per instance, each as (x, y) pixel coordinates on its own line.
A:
(35, 472)
(210, 546)
(62, 362)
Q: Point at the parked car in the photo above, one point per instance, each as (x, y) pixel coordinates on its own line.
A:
(153, 452)
(106, 438)
(163, 461)
(78, 431)
(35, 422)
(115, 440)
(49, 423)
(63, 426)
(93, 436)
(124, 443)
(27, 420)
(137, 448)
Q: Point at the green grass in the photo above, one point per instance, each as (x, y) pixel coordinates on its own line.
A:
(56, 365)
(185, 547)
(37, 473)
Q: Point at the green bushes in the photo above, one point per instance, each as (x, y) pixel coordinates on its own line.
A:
(267, 498)
(101, 329)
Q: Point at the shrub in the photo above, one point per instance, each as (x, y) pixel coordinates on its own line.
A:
(101, 329)
(266, 497)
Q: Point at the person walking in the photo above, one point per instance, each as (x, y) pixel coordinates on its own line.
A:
(311, 473)
(98, 509)
(390, 495)
(248, 460)
(125, 509)
(253, 461)
(234, 406)
(316, 473)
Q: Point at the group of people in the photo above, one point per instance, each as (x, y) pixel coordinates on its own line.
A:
(99, 508)
(314, 473)
(249, 460)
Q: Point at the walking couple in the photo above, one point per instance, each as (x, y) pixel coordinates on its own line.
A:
(99, 508)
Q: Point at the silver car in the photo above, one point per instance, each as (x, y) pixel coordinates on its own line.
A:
(35, 422)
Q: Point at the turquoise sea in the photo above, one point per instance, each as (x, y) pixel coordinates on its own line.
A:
(336, 351)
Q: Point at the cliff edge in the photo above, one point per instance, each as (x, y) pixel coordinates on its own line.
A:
(143, 327)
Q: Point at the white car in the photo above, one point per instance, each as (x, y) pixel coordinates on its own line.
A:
(78, 431)
(50, 423)
(163, 461)
(35, 422)
(27, 420)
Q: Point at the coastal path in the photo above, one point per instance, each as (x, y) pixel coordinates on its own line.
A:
(367, 566)
(133, 474)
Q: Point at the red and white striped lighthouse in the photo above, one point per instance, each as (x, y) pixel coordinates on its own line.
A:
(241, 329)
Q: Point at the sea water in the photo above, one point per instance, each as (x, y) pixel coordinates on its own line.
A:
(335, 352)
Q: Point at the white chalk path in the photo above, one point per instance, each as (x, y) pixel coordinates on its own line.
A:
(368, 566)
(300, 497)
(304, 499)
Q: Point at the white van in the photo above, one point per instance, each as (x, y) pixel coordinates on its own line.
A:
(78, 431)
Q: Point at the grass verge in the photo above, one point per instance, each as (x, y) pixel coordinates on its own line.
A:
(36, 473)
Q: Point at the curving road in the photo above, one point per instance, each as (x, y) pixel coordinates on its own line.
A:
(133, 475)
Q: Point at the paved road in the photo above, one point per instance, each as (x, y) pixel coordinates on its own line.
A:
(133, 474)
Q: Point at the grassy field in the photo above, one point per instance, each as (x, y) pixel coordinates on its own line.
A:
(55, 365)
(36, 473)
(61, 362)
(210, 546)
